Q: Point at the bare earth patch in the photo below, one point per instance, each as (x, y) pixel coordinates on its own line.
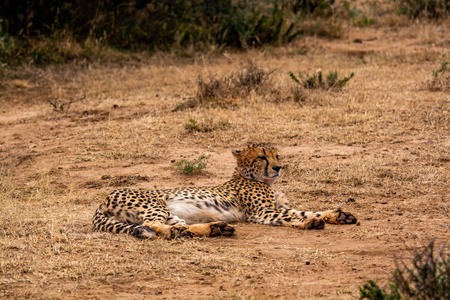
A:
(380, 148)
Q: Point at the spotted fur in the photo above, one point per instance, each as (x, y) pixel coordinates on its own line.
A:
(206, 211)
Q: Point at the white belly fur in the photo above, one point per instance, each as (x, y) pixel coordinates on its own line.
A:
(187, 210)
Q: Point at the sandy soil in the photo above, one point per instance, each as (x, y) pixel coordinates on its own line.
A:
(380, 149)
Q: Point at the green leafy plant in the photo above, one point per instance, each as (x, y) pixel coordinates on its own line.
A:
(442, 69)
(192, 125)
(317, 80)
(426, 277)
(190, 167)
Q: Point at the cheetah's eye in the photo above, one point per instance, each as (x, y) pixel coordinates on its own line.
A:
(277, 157)
(262, 157)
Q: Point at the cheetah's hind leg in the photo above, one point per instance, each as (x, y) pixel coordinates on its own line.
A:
(174, 231)
(102, 222)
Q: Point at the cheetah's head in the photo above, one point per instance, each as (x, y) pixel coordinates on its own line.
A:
(259, 162)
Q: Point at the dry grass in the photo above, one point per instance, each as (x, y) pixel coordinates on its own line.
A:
(379, 147)
(237, 85)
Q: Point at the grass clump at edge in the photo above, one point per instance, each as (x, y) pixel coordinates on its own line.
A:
(441, 79)
(427, 278)
(208, 125)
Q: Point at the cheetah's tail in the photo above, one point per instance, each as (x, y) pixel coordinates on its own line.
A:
(103, 222)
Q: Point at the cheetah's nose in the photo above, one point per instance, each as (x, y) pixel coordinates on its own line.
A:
(277, 168)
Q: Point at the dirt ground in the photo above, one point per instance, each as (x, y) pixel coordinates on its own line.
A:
(379, 148)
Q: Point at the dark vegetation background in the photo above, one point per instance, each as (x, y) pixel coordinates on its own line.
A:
(147, 24)
(55, 31)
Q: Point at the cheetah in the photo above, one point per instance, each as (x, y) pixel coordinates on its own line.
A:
(247, 197)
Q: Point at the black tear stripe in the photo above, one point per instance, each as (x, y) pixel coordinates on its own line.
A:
(266, 168)
(265, 159)
(253, 162)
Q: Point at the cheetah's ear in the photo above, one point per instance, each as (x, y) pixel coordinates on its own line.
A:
(236, 153)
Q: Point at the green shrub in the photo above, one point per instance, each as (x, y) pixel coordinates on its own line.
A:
(441, 70)
(317, 80)
(427, 9)
(192, 125)
(372, 291)
(426, 277)
(190, 167)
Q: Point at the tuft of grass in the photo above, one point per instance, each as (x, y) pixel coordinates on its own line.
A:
(427, 278)
(440, 81)
(191, 167)
(317, 80)
(233, 85)
(299, 93)
(207, 125)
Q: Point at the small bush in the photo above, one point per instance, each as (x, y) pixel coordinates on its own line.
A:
(238, 84)
(190, 167)
(213, 88)
(63, 106)
(426, 9)
(317, 80)
(427, 278)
